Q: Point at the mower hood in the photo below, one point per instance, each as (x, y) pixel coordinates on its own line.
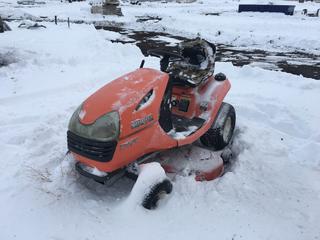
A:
(124, 94)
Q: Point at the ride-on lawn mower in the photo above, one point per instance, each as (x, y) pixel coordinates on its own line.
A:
(124, 124)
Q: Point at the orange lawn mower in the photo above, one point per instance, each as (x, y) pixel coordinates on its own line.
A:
(124, 125)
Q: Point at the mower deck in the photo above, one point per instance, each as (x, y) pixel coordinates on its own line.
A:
(204, 164)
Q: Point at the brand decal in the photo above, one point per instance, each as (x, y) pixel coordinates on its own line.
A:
(139, 122)
(128, 144)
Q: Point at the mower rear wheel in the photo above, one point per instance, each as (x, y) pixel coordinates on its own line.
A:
(221, 131)
(156, 193)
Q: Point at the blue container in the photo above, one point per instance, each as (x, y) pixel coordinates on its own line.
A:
(286, 9)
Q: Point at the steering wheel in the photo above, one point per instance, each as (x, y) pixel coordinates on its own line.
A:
(164, 54)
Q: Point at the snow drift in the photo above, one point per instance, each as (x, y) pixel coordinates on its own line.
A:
(272, 191)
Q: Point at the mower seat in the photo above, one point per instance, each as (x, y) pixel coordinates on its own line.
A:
(196, 65)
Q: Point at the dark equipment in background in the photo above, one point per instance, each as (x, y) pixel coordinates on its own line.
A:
(286, 9)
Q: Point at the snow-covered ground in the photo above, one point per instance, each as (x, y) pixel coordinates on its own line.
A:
(272, 31)
(273, 190)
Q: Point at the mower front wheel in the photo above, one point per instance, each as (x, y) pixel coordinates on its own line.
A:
(221, 131)
(156, 193)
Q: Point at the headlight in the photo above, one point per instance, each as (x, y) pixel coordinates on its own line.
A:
(105, 128)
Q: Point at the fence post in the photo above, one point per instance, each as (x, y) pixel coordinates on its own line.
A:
(1, 25)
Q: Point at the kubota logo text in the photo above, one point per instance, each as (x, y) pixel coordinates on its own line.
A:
(139, 122)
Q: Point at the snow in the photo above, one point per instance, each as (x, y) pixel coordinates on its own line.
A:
(273, 188)
(171, 41)
(182, 135)
(269, 31)
(93, 171)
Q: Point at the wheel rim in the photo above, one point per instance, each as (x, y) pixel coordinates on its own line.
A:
(157, 198)
(162, 195)
(227, 130)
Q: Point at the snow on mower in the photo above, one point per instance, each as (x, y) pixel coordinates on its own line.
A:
(137, 118)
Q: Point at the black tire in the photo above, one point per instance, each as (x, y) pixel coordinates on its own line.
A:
(221, 131)
(151, 199)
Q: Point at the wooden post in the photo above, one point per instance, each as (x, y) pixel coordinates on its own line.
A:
(1, 25)
(55, 20)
